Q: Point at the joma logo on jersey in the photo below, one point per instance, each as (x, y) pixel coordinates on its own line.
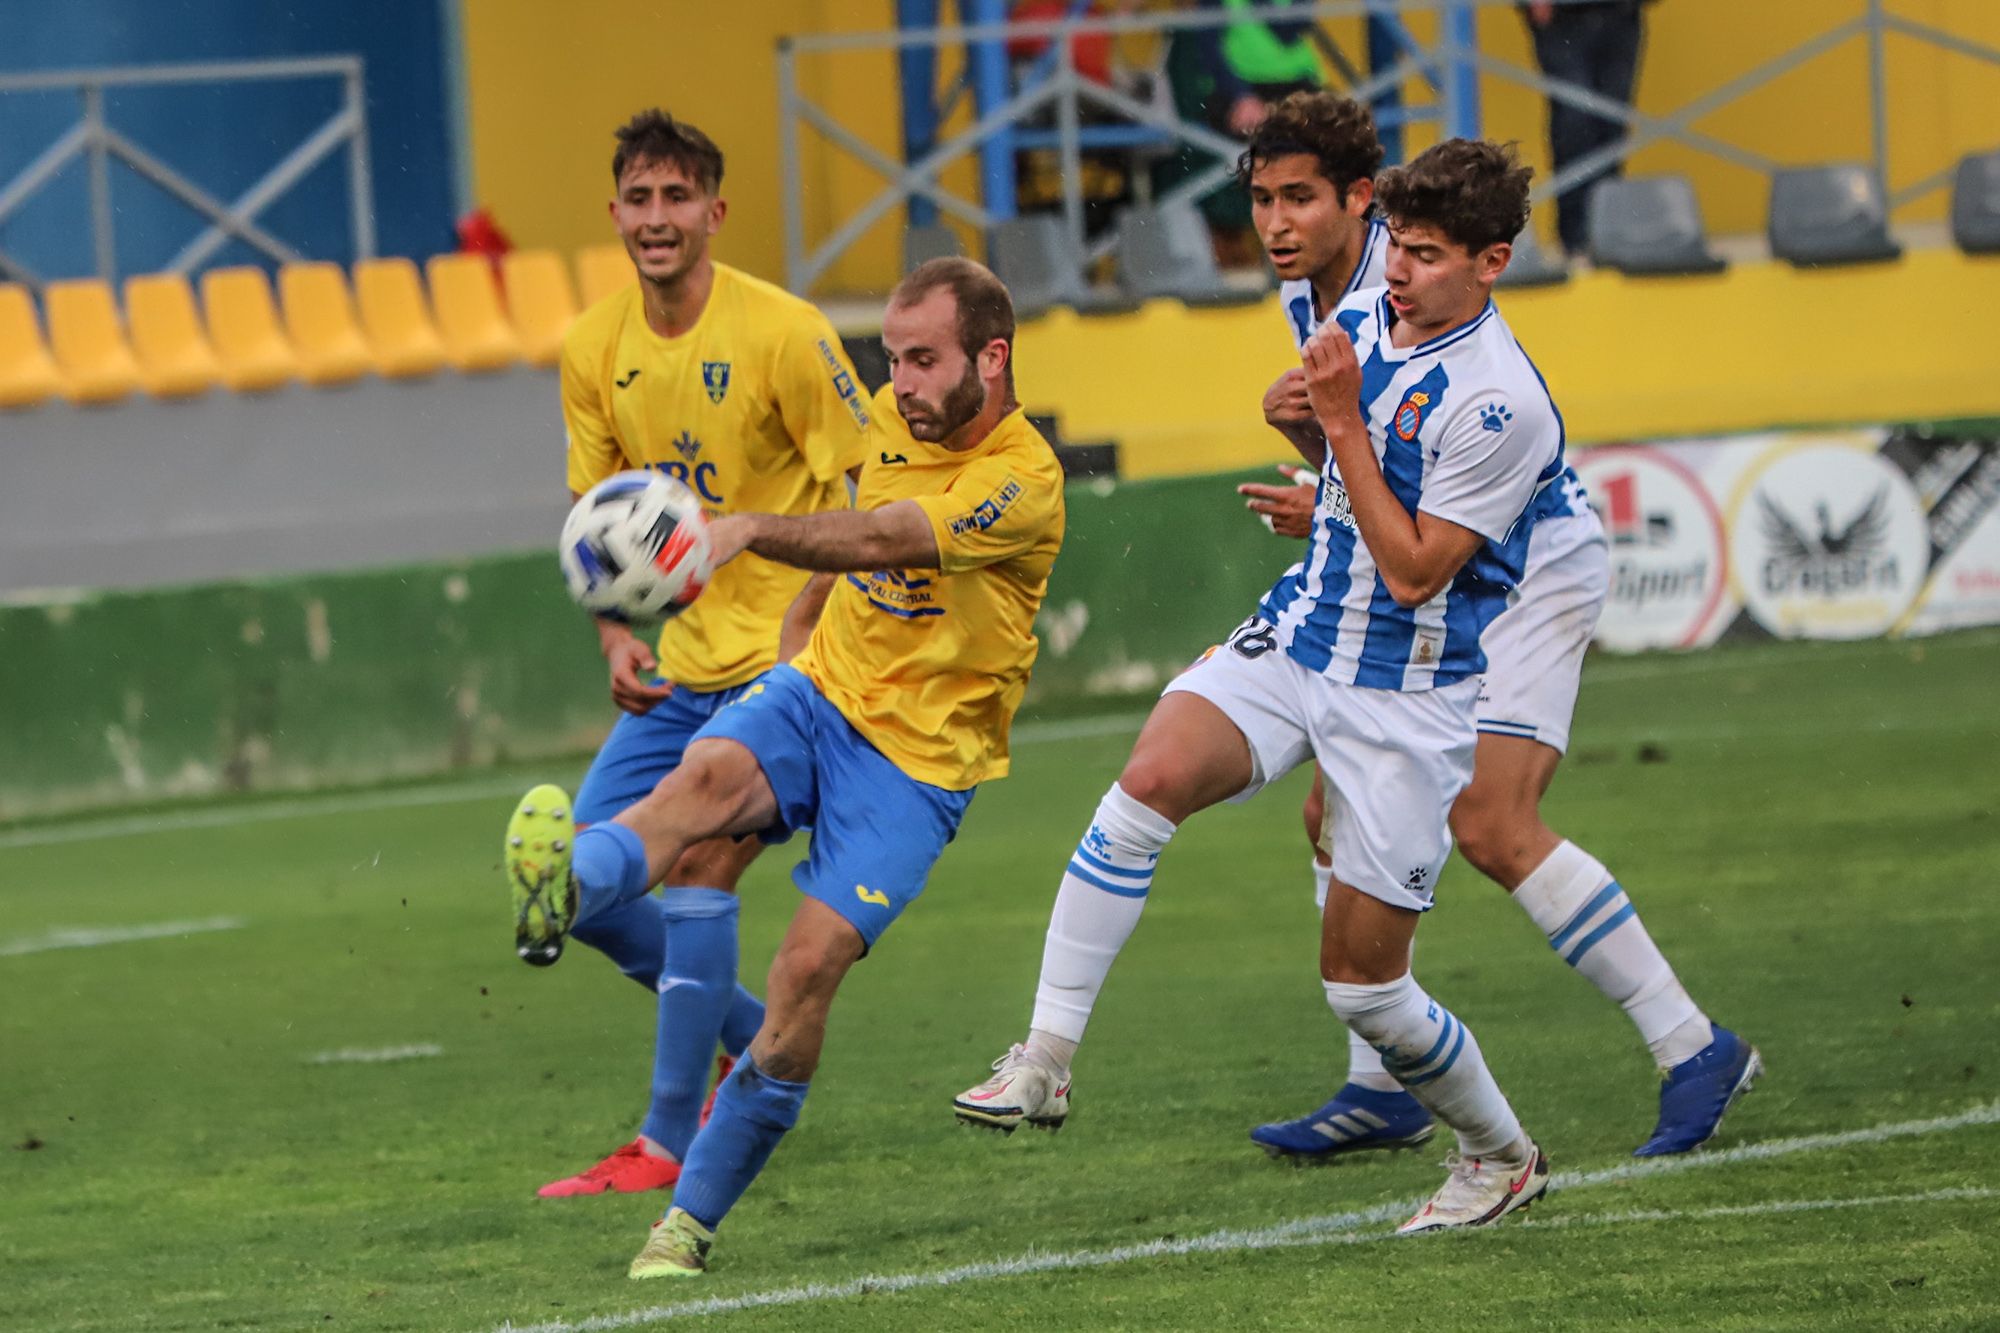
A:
(1409, 418)
(988, 511)
(715, 379)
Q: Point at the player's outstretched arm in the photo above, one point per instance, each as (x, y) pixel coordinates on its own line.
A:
(896, 536)
(1417, 554)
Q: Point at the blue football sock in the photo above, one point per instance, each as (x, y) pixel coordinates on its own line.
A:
(609, 865)
(752, 1112)
(631, 934)
(697, 987)
(746, 1015)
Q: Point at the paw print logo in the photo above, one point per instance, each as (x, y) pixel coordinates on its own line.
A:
(1096, 841)
(1494, 417)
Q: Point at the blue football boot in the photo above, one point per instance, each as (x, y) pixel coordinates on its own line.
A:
(1357, 1120)
(1698, 1092)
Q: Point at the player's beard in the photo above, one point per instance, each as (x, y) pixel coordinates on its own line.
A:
(961, 405)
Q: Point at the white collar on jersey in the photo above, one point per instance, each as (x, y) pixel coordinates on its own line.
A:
(1386, 318)
(1371, 232)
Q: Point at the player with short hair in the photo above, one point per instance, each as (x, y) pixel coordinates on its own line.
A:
(1309, 169)
(1438, 435)
(740, 390)
(1298, 169)
(874, 736)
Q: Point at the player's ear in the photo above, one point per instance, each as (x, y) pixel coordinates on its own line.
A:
(1360, 195)
(1492, 261)
(993, 358)
(717, 210)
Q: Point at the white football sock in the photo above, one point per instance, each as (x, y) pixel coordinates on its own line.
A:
(1364, 1065)
(1096, 908)
(1596, 929)
(1434, 1056)
(1364, 1062)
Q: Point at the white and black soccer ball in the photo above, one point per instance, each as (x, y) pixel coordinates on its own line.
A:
(635, 548)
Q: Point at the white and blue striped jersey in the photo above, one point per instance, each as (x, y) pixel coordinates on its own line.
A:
(1296, 296)
(1464, 429)
(1565, 497)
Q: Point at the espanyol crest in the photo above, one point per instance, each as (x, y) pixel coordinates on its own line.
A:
(715, 378)
(1409, 418)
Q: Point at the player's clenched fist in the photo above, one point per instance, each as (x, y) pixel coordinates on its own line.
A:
(1333, 376)
(1285, 402)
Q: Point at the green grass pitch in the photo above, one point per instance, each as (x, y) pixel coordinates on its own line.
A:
(1811, 831)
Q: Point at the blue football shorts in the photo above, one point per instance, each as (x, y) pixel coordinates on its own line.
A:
(876, 830)
(643, 748)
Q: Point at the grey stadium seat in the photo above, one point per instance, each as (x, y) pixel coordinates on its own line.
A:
(932, 240)
(1166, 252)
(1649, 224)
(1975, 203)
(1033, 256)
(1531, 265)
(1829, 215)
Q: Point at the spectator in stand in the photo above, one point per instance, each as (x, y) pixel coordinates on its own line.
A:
(1228, 78)
(1595, 45)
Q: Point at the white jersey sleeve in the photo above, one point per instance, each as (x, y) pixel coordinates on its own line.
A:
(1492, 457)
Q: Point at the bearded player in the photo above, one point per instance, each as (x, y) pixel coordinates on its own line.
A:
(875, 736)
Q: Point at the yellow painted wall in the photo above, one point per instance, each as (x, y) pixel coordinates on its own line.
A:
(1763, 345)
(549, 82)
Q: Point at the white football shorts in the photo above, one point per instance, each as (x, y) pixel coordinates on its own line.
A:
(1394, 761)
(1534, 649)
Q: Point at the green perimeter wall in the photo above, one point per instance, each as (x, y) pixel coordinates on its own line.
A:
(338, 679)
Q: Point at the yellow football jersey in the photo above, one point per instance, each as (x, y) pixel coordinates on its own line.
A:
(930, 664)
(755, 408)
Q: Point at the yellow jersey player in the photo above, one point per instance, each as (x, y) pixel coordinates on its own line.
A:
(874, 736)
(741, 391)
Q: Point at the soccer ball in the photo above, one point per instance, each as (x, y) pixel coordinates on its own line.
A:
(635, 547)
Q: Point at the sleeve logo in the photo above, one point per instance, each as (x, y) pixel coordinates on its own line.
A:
(843, 384)
(988, 511)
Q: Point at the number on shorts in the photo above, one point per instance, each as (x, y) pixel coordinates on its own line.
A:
(1254, 638)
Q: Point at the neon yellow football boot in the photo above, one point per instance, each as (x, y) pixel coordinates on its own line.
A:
(539, 838)
(678, 1247)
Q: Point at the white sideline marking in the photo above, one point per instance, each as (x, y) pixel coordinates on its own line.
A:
(85, 937)
(1269, 1238)
(1333, 1229)
(378, 1055)
(453, 793)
